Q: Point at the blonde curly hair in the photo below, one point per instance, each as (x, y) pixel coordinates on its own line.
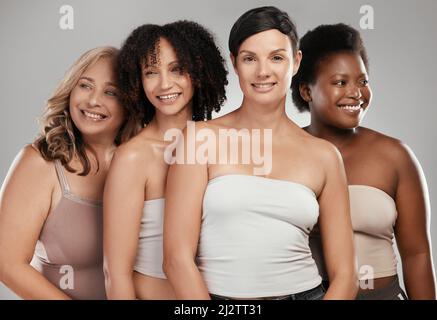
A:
(59, 137)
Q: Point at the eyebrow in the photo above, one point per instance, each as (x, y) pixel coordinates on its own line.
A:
(154, 65)
(92, 80)
(346, 75)
(274, 51)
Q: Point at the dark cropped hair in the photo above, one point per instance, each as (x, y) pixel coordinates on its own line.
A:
(198, 56)
(317, 45)
(258, 20)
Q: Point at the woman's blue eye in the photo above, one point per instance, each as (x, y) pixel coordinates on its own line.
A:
(111, 93)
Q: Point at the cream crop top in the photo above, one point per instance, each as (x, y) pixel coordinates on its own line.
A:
(150, 249)
(373, 214)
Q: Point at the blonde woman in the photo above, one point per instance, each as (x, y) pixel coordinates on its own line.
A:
(50, 201)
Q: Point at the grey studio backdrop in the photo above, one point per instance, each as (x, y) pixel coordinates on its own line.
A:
(35, 53)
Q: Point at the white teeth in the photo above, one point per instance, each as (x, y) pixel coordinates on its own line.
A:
(93, 116)
(263, 85)
(351, 108)
(169, 96)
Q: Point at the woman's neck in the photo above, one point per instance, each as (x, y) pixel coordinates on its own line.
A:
(337, 136)
(103, 149)
(161, 123)
(252, 115)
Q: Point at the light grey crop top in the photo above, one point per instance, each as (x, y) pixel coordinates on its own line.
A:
(254, 237)
(150, 247)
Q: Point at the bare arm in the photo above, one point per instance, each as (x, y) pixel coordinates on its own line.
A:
(25, 201)
(336, 230)
(186, 185)
(412, 228)
(123, 203)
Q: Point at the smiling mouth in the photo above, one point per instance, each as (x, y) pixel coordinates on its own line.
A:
(351, 108)
(94, 116)
(169, 97)
(264, 85)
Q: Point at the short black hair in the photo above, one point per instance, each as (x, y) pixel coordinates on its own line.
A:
(197, 54)
(316, 45)
(258, 20)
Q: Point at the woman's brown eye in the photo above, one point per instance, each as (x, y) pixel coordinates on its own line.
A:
(277, 58)
(84, 86)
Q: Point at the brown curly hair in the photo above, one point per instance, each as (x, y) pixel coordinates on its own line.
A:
(197, 54)
(59, 138)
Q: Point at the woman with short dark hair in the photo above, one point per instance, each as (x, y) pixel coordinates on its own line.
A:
(236, 231)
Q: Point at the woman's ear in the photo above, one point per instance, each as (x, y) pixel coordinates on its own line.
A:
(297, 59)
(305, 92)
(234, 63)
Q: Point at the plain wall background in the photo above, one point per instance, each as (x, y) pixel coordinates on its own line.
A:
(35, 53)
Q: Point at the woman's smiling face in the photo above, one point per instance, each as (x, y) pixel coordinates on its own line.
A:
(94, 105)
(265, 66)
(340, 94)
(167, 86)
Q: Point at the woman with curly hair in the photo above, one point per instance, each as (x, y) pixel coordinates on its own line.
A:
(233, 232)
(52, 195)
(169, 75)
(388, 193)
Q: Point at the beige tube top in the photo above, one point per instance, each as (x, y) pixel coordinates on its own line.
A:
(373, 214)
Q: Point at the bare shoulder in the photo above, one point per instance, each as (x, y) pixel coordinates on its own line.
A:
(31, 155)
(198, 125)
(31, 169)
(30, 160)
(226, 121)
(391, 148)
(194, 127)
(135, 151)
(320, 149)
